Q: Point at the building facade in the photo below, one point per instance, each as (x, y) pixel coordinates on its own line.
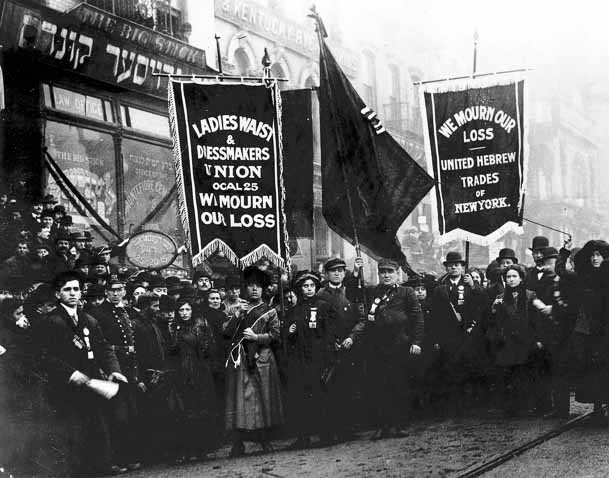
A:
(81, 84)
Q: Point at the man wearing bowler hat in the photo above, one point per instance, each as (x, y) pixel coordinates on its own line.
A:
(535, 272)
(455, 314)
(347, 324)
(553, 333)
(506, 258)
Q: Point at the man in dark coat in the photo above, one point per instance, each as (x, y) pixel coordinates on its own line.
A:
(394, 333)
(119, 330)
(74, 351)
(455, 315)
(535, 272)
(153, 408)
(347, 324)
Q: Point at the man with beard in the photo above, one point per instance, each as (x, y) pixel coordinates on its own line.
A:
(62, 261)
(535, 272)
(119, 330)
(347, 324)
(395, 325)
(74, 350)
(154, 415)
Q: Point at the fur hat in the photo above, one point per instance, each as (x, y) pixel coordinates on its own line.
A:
(254, 274)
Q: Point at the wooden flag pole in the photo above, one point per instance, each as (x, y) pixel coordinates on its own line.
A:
(473, 73)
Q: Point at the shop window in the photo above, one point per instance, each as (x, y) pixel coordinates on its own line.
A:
(145, 121)
(149, 175)
(87, 158)
(80, 104)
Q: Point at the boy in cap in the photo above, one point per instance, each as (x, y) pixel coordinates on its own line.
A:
(347, 323)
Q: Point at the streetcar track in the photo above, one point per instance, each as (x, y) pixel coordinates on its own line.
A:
(484, 467)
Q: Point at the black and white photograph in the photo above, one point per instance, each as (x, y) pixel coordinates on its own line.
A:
(304, 238)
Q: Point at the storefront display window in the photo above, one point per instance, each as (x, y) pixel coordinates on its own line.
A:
(87, 158)
(149, 175)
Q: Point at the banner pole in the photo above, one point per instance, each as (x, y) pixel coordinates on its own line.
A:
(217, 37)
(473, 73)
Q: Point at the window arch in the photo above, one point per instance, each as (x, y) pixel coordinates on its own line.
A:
(242, 62)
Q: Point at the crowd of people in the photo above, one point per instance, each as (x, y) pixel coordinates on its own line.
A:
(105, 368)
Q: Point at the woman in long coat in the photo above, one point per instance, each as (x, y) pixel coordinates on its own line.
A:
(588, 357)
(253, 396)
(193, 348)
(512, 333)
(310, 348)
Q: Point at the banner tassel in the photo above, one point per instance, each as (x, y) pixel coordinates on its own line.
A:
(177, 159)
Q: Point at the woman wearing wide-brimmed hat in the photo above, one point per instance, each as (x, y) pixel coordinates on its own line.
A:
(253, 396)
(590, 338)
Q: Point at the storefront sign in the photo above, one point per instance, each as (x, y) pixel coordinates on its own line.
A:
(229, 170)
(151, 250)
(253, 17)
(99, 45)
(475, 144)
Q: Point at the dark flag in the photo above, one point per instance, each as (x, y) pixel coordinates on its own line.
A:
(362, 164)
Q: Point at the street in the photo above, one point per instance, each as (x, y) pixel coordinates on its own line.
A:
(433, 448)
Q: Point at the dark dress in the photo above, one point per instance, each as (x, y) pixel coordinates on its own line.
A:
(513, 333)
(193, 348)
(309, 354)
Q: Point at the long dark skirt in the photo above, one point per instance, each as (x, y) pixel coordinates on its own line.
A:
(589, 368)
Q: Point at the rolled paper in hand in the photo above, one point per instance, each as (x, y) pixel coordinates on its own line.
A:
(104, 388)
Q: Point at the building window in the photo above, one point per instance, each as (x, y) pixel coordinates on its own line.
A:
(369, 80)
(86, 157)
(242, 61)
(277, 71)
(72, 102)
(142, 120)
(395, 106)
(149, 175)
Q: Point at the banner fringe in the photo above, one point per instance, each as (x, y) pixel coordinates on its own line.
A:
(283, 225)
(471, 83)
(217, 245)
(460, 85)
(177, 160)
(462, 235)
(260, 252)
